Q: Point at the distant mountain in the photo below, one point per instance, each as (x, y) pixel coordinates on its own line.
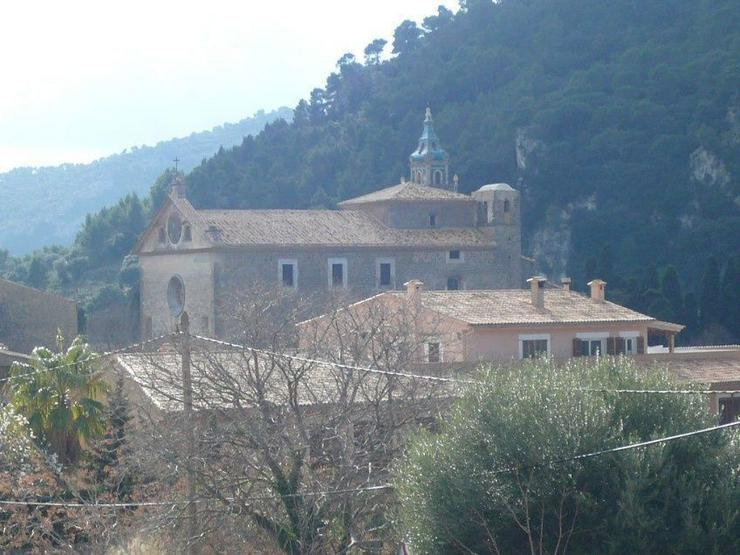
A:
(48, 205)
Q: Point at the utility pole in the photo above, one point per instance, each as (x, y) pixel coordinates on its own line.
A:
(187, 402)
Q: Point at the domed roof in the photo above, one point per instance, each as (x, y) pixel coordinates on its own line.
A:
(429, 146)
(497, 187)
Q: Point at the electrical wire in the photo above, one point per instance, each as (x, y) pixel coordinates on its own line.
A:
(620, 448)
(132, 504)
(455, 380)
(381, 487)
(339, 364)
(91, 358)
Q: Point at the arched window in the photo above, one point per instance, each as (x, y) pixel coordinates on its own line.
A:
(507, 205)
(437, 177)
(176, 296)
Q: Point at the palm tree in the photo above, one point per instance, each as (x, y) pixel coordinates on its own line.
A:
(58, 394)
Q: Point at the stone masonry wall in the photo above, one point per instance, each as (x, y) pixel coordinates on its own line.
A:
(479, 269)
(30, 318)
(196, 272)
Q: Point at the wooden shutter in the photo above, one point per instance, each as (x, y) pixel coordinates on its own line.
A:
(621, 345)
(611, 345)
(577, 347)
(640, 345)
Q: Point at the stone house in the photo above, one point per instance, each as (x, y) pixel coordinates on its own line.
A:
(195, 260)
(29, 317)
(511, 324)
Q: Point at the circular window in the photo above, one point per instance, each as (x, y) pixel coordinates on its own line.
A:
(176, 296)
(174, 228)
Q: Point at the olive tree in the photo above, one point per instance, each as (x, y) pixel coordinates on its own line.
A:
(499, 477)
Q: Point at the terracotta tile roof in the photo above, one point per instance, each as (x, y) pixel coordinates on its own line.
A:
(328, 228)
(217, 375)
(708, 368)
(508, 307)
(407, 192)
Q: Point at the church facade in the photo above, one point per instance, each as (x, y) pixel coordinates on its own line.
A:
(423, 228)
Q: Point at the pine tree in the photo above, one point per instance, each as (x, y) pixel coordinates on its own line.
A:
(709, 301)
(670, 286)
(689, 318)
(730, 297)
(605, 267)
(105, 460)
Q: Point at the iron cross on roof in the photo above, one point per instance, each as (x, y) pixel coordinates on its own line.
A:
(176, 161)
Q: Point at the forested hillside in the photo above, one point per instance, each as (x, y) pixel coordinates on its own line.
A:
(48, 205)
(619, 122)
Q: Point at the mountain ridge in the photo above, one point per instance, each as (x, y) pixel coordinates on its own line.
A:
(33, 222)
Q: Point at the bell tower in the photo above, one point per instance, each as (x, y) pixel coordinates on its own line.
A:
(430, 163)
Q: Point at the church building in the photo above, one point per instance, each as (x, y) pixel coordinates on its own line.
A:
(193, 260)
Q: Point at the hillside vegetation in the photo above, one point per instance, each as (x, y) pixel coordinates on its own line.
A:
(618, 121)
(43, 206)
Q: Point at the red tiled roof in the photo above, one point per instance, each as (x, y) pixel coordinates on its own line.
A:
(509, 307)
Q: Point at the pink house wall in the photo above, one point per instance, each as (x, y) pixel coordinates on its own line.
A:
(467, 343)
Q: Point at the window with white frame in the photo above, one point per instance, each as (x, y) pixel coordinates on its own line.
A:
(628, 342)
(432, 351)
(337, 273)
(385, 273)
(534, 345)
(455, 255)
(592, 344)
(288, 272)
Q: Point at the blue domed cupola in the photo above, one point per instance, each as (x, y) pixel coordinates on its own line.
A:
(430, 162)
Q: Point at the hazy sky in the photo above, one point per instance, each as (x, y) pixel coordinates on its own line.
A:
(83, 79)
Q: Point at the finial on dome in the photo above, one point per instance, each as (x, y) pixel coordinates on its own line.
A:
(428, 114)
(455, 182)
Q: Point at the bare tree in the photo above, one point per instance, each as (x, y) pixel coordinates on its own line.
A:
(293, 445)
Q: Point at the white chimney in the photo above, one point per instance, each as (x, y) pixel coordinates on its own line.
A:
(566, 283)
(598, 290)
(537, 286)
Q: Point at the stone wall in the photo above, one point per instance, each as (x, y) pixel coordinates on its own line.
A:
(196, 272)
(30, 318)
(479, 269)
(408, 215)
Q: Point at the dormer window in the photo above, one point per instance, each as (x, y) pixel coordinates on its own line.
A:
(432, 220)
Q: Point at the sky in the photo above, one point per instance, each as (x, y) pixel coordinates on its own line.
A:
(83, 79)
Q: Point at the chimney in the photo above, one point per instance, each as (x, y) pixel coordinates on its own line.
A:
(414, 287)
(537, 285)
(598, 290)
(566, 282)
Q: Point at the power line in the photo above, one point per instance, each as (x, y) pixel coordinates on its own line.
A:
(457, 380)
(91, 358)
(620, 448)
(339, 364)
(381, 487)
(132, 504)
